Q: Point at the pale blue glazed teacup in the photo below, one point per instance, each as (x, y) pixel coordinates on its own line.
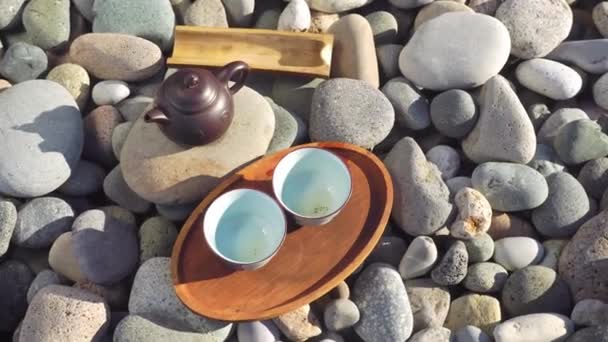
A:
(245, 228)
(312, 184)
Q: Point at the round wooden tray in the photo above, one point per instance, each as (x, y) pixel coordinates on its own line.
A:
(311, 262)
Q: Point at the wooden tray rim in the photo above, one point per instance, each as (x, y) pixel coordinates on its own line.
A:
(319, 291)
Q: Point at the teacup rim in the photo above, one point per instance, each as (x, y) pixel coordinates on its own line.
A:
(240, 263)
(334, 155)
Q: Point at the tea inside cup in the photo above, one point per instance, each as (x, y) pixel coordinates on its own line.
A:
(244, 227)
(312, 183)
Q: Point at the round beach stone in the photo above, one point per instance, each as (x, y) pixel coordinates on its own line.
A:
(453, 113)
(411, 108)
(350, 111)
(452, 268)
(437, 8)
(295, 94)
(63, 260)
(590, 312)
(509, 225)
(117, 190)
(600, 91)
(380, 295)
(384, 27)
(388, 59)
(585, 54)
(15, 279)
(485, 277)
(40, 141)
(421, 197)
(47, 23)
(389, 250)
(98, 127)
(62, 313)
(258, 331)
(354, 52)
(164, 172)
(41, 221)
(153, 20)
(483, 46)
(471, 333)
(289, 129)
(437, 334)
(105, 247)
(583, 261)
(510, 187)
(132, 108)
(110, 92)
(341, 314)
(566, 208)
(580, 141)
(295, 17)
(536, 26)
(119, 136)
(474, 214)
(598, 333)
(8, 220)
(481, 248)
(472, 309)
(536, 289)
(549, 78)
(600, 18)
(10, 13)
(210, 13)
(42, 280)
(136, 328)
(514, 253)
(429, 303)
(86, 179)
(156, 238)
(419, 258)
(534, 327)
(153, 295)
(116, 56)
(546, 161)
(556, 121)
(489, 140)
(75, 79)
(22, 62)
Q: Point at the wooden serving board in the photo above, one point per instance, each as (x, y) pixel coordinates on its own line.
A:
(311, 262)
(268, 50)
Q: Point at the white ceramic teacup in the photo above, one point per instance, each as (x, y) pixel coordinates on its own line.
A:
(245, 228)
(312, 184)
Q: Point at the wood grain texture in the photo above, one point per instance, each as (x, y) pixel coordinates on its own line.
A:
(312, 261)
(268, 50)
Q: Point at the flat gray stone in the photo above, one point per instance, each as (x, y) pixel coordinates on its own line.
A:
(489, 140)
(156, 238)
(483, 49)
(341, 314)
(8, 220)
(454, 113)
(485, 277)
(22, 62)
(289, 129)
(295, 94)
(447, 160)
(590, 312)
(388, 59)
(389, 250)
(546, 161)
(133, 107)
(154, 298)
(408, 4)
(116, 188)
(509, 186)
(86, 179)
(480, 248)
(600, 91)
(536, 26)
(350, 111)
(384, 27)
(599, 334)
(421, 207)
(40, 141)
(380, 295)
(557, 120)
(588, 55)
(580, 141)
(41, 221)
(210, 13)
(411, 108)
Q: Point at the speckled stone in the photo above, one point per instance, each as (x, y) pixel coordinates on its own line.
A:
(456, 184)
(429, 302)
(411, 108)
(63, 260)
(452, 269)
(509, 225)
(419, 258)
(556, 121)
(98, 127)
(300, 324)
(8, 220)
(75, 79)
(156, 238)
(590, 312)
(486, 277)
(15, 279)
(350, 111)
(580, 141)
(86, 179)
(22, 62)
(295, 17)
(546, 161)
(47, 23)
(41, 221)
(472, 309)
(10, 13)
(598, 333)
(341, 314)
(384, 27)
(474, 214)
(435, 334)
(437, 8)
(549, 78)
(536, 289)
(42, 280)
(594, 177)
(535, 327)
(134, 328)
(119, 136)
(480, 248)
(380, 295)
(209, 13)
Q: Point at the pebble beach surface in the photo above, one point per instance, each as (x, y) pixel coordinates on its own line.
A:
(491, 117)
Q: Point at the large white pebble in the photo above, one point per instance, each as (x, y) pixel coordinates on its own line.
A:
(110, 92)
(514, 253)
(295, 17)
(535, 328)
(419, 258)
(552, 79)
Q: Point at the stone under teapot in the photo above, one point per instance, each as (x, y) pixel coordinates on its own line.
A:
(195, 106)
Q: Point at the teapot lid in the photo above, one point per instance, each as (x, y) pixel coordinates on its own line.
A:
(190, 90)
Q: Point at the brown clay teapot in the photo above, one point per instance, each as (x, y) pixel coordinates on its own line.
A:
(194, 106)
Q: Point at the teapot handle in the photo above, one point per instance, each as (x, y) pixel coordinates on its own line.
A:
(229, 70)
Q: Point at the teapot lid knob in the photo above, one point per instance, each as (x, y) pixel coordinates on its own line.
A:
(191, 80)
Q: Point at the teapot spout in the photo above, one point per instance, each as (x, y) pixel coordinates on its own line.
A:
(156, 115)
